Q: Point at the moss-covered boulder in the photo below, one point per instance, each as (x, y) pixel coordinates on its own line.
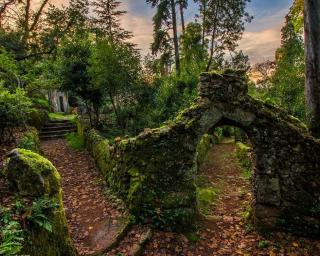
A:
(31, 174)
(35, 177)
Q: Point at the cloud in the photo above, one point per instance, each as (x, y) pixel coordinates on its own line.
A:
(142, 31)
(261, 45)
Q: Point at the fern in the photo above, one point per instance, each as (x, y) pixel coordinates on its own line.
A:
(11, 238)
(38, 210)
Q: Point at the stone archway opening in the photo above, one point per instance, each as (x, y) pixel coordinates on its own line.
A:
(225, 173)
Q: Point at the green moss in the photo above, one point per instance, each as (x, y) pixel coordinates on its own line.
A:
(243, 155)
(62, 116)
(31, 174)
(75, 141)
(205, 198)
(203, 148)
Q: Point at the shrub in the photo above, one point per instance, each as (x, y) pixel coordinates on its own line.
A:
(75, 141)
(38, 117)
(30, 140)
(14, 110)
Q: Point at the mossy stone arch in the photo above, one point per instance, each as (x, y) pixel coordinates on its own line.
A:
(155, 172)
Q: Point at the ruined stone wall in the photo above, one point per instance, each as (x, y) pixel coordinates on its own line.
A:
(155, 171)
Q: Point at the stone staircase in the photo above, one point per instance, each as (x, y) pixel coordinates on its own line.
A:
(55, 129)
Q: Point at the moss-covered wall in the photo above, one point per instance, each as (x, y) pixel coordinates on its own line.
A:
(155, 171)
(34, 177)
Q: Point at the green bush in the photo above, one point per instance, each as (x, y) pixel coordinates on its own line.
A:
(14, 110)
(38, 117)
(30, 140)
(41, 103)
(75, 141)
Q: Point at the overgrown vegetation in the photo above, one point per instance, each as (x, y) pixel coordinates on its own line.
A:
(15, 221)
(244, 156)
(75, 141)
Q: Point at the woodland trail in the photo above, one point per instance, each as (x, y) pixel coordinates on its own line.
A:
(225, 231)
(93, 219)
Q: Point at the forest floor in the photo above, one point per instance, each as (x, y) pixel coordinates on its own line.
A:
(94, 218)
(225, 230)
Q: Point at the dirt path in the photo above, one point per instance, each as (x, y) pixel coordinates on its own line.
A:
(225, 231)
(93, 219)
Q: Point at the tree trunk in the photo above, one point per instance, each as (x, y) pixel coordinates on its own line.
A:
(312, 52)
(204, 11)
(119, 120)
(213, 37)
(182, 17)
(175, 36)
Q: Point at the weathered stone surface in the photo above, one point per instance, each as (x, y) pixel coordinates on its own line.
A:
(162, 161)
(35, 177)
(30, 174)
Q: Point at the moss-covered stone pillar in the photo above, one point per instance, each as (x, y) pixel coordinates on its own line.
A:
(33, 176)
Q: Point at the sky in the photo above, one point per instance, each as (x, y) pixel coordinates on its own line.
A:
(260, 40)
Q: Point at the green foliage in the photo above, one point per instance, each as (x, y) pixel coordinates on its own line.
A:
(40, 207)
(243, 154)
(173, 93)
(203, 147)
(61, 116)
(263, 244)
(8, 70)
(115, 70)
(11, 234)
(288, 80)
(14, 110)
(30, 141)
(41, 103)
(75, 141)
(206, 198)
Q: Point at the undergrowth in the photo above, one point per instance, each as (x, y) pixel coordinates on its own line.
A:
(75, 141)
(16, 220)
(206, 195)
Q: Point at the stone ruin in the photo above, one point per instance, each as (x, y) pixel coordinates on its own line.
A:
(155, 172)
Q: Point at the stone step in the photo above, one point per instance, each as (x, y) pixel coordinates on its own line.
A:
(55, 129)
(51, 137)
(58, 121)
(57, 132)
(58, 128)
(59, 124)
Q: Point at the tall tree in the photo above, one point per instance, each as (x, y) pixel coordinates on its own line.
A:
(312, 52)
(183, 4)
(203, 16)
(107, 19)
(224, 25)
(164, 19)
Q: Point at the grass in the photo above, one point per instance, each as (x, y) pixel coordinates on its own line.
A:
(62, 116)
(75, 141)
